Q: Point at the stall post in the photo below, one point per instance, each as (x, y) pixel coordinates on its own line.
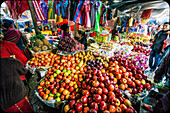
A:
(33, 16)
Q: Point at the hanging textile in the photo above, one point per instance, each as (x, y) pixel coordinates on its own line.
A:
(12, 7)
(93, 13)
(64, 9)
(78, 12)
(51, 10)
(145, 16)
(38, 12)
(130, 21)
(99, 6)
(85, 17)
(58, 12)
(22, 5)
(73, 6)
(44, 8)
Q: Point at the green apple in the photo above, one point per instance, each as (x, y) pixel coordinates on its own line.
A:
(58, 99)
(64, 70)
(55, 75)
(69, 72)
(58, 71)
(58, 94)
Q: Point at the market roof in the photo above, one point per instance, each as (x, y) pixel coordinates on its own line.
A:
(126, 6)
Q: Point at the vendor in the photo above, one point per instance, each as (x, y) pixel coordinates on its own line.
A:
(81, 38)
(13, 93)
(46, 28)
(65, 30)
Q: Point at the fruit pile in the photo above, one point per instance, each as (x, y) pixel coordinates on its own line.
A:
(92, 84)
(140, 49)
(69, 44)
(42, 60)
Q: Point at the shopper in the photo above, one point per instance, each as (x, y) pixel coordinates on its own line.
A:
(65, 30)
(15, 36)
(162, 105)
(13, 94)
(156, 31)
(163, 69)
(27, 28)
(81, 38)
(157, 46)
(122, 30)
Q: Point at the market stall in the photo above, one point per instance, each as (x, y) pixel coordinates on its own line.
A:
(111, 75)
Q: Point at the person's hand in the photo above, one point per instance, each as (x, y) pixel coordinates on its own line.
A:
(13, 56)
(168, 32)
(156, 80)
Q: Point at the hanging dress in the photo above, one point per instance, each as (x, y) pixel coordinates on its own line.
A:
(98, 13)
(44, 8)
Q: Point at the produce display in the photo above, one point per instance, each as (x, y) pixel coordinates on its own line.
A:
(39, 43)
(140, 49)
(42, 60)
(92, 84)
(69, 44)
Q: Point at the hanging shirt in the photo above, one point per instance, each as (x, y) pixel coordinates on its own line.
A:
(78, 12)
(44, 8)
(38, 12)
(64, 8)
(51, 10)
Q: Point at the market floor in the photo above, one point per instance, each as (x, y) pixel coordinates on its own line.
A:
(37, 105)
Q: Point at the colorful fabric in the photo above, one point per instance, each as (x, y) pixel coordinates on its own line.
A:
(27, 53)
(8, 48)
(99, 6)
(87, 23)
(51, 9)
(146, 14)
(44, 8)
(22, 5)
(78, 12)
(22, 106)
(12, 35)
(38, 12)
(93, 13)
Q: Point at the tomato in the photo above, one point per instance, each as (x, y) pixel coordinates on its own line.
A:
(47, 91)
(42, 83)
(42, 93)
(40, 90)
(50, 98)
(45, 96)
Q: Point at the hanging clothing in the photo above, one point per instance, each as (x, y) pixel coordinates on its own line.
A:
(50, 9)
(98, 6)
(78, 12)
(38, 12)
(73, 6)
(44, 8)
(58, 18)
(93, 13)
(86, 14)
(22, 5)
(12, 7)
(64, 9)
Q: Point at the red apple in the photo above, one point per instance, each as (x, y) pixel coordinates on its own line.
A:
(101, 84)
(97, 98)
(104, 97)
(105, 91)
(94, 105)
(103, 105)
(84, 99)
(78, 106)
(72, 103)
(99, 91)
(111, 87)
